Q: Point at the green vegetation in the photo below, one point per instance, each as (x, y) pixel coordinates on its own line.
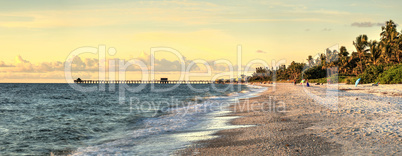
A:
(315, 72)
(369, 75)
(391, 76)
(372, 61)
(334, 79)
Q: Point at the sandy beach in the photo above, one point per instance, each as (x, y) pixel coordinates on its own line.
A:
(316, 120)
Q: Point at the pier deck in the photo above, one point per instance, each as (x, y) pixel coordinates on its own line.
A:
(142, 81)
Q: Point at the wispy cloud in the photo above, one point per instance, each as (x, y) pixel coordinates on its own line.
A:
(260, 51)
(330, 12)
(163, 12)
(180, 12)
(2, 64)
(279, 20)
(366, 24)
(4, 18)
(326, 29)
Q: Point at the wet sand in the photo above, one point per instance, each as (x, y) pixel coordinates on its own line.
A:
(296, 120)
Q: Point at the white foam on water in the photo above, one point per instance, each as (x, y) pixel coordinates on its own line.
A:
(3, 130)
(178, 119)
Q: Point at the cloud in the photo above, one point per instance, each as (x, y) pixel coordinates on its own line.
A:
(53, 75)
(366, 24)
(22, 65)
(278, 20)
(158, 12)
(260, 51)
(307, 30)
(20, 60)
(87, 64)
(326, 29)
(164, 65)
(181, 12)
(329, 12)
(89, 67)
(16, 18)
(2, 64)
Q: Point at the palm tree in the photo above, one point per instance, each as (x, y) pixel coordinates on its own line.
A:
(343, 52)
(322, 60)
(331, 58)
(389, 32)
(389, 42)
(386, 52)
(399, 47)
(375, 52)
(361, 48)
(352, 63)
(310, 61)
(343, 60)
(361, 45)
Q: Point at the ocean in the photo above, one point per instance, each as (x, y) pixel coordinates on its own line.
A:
(39, 119)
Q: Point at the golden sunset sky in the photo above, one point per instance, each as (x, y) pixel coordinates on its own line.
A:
(38, 36)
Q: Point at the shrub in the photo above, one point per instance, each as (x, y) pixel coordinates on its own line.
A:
(321, 80)
(315, 72)
(352, 80)
(371, 74)
(393, 75)
(348, 81)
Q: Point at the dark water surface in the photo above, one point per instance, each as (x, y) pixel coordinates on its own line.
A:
(36, 119)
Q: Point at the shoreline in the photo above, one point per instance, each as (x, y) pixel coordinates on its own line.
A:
(307, 127)
(180, 127)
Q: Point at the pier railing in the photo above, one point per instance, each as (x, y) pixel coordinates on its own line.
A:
(147, 81)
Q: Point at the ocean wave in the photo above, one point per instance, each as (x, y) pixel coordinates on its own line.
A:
(178, 118)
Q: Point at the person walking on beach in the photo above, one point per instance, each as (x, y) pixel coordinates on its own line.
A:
(308, 85)
(294, 81)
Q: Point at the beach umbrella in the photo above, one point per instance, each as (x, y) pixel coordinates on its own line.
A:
(357, 82)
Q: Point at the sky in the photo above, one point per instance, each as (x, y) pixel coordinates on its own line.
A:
(37, 37)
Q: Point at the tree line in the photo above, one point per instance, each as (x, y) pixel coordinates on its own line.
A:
(369, 57)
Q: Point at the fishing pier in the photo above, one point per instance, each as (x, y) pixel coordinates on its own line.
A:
(161, 81)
